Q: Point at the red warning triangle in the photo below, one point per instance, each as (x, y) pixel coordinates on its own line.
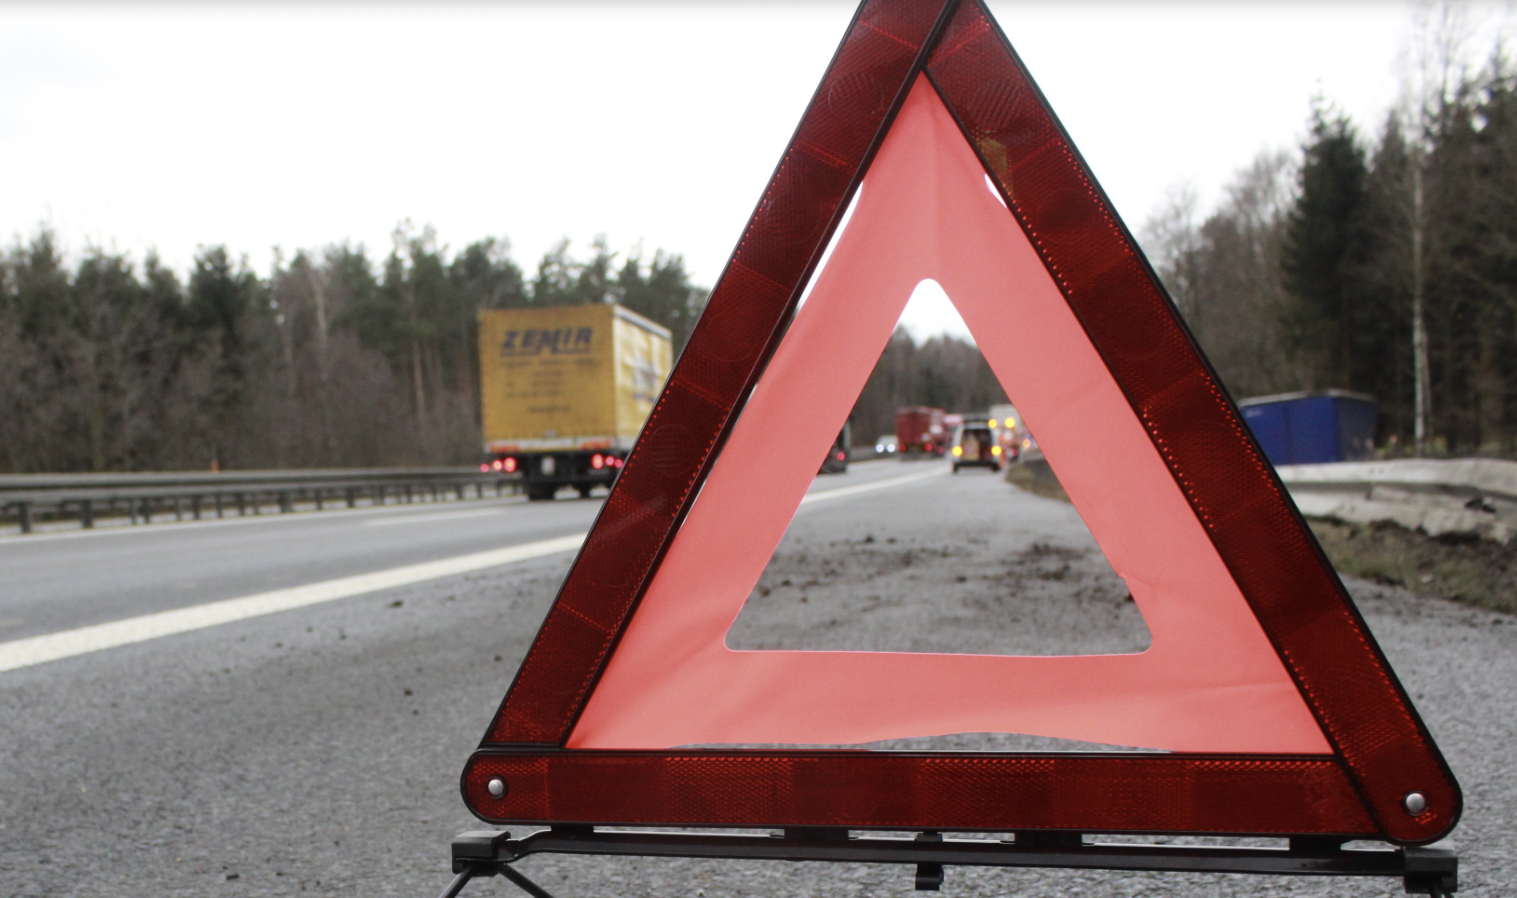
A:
(1273, 706)
(1210, 682)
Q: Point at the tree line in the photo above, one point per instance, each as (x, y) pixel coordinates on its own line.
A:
(1384, 264)
(943, 372)
(335, 359)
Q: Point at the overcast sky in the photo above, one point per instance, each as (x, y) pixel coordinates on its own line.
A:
(298, 125)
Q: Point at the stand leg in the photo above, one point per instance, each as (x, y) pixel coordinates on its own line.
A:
(458, 883)
(929, 877)
(523, 883)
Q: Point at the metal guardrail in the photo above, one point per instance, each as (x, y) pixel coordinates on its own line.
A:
(1469, 497)
(26, 497)
(1475, 496)
(1464, 476)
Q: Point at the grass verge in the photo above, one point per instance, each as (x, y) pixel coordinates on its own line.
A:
(1036, 477)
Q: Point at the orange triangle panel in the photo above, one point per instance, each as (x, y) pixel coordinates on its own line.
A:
(1271, 707)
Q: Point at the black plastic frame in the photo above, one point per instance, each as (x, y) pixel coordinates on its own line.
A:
(1423, 871)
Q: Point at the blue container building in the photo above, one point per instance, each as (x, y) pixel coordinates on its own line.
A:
(1312, 428)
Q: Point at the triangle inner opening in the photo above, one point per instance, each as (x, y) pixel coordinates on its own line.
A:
(913, 552)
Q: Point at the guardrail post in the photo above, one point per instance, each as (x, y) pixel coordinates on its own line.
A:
(459, 488)
(147, 511)
(218, 505)
(242, 505)
(317, 493)
(285, 504)
(131, 510)
(379, 492)
(479, 489)
(195, 507)
(87, 514)
(178, 508)
(408, 494)
(24, 514)
(352, 496)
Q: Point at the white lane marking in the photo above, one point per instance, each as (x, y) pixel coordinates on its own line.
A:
(439, 516)
(54, 646)
(824, 495)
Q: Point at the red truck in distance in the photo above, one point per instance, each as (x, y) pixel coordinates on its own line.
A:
(920, 432)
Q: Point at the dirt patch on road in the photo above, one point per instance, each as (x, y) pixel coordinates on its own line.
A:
(1461, 567)
(960, 565)
(1049, 597)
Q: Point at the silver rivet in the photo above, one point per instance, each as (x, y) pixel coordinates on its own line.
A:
(1415, 803)
(497, 788)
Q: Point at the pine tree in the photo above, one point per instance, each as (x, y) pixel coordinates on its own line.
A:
(1324, 242)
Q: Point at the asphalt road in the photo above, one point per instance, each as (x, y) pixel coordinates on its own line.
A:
(317, 750)
(56, 581)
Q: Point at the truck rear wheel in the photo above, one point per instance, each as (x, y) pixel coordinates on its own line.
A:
(540, 492)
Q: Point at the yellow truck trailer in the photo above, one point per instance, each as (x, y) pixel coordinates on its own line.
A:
(564, 391)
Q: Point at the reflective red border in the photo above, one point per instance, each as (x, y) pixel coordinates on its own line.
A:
(1384, 747)
(1254, 525)
(1137, 792)
(734, 337)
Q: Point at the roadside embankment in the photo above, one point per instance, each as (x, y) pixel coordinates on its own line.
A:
(1442, 527)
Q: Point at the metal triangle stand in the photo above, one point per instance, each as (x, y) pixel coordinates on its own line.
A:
(1423, 871)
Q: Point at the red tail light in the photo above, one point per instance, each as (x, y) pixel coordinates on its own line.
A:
(597, 462)
(509, 465)
(486, 467)
(842, 456)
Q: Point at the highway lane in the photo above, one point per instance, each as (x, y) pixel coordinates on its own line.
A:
(317, 751)
(52, 582)
(58, 582)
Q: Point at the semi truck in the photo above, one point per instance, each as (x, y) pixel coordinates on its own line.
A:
(564, 391)
(919, 431)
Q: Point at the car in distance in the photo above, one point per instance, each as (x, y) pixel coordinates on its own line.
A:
(976, 444)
